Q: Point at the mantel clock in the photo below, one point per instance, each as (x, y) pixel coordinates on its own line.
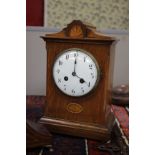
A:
(79, 81)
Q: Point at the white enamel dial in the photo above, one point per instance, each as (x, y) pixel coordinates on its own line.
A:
(75, 72)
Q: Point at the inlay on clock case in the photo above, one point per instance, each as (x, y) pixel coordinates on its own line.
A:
(95, 107)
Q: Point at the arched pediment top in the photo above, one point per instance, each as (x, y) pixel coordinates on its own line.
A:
(79, 30)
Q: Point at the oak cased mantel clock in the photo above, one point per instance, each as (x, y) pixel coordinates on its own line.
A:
(79, 81)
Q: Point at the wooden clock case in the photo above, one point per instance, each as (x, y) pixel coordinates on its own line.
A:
(87, 116)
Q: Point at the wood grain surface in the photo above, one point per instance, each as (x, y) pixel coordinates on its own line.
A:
(95, 120)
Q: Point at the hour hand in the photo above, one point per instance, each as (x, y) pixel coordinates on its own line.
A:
(81, 79)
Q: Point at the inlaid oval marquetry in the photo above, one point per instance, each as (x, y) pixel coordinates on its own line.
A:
(74, 108)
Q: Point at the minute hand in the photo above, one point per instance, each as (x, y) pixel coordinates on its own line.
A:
(74, 74)
(75, 62)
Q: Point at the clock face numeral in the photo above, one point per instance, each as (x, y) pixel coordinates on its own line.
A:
(73, 91)
(67, 56)
(90, 66)
(92, 75)
(59, 80)
(75, 54)
(65, 88)
(89, 84)
(85, 59)
(60, 62)
(75, 72)
(58, 71)
(82, 89)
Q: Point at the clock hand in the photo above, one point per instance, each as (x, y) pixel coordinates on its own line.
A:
(74, 73)
(74, 65)
(81, 79)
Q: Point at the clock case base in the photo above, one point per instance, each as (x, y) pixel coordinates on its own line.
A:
(86, 130)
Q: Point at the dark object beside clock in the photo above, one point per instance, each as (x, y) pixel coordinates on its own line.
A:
(120, 95)
(37, 135)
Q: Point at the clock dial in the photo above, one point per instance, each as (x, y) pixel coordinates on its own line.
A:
(75, 72)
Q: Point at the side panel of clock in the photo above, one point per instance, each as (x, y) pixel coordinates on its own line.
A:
(110, 81)
(92, 106)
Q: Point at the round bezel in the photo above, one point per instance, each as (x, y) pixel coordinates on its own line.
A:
(90, 56)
